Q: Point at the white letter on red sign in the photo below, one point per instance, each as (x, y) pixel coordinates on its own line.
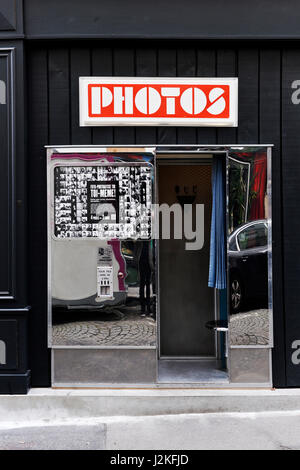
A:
(193, 100)
(147, 100)
(119, 98)
(170, 94)
(218, 106)
(128, 100)
(101, 97)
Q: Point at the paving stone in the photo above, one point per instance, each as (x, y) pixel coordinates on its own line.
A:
(131, 330)
(250, 328)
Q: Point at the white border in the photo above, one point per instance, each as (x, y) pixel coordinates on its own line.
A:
(85, 121)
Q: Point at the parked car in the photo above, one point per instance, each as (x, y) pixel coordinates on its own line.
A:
(248, 266)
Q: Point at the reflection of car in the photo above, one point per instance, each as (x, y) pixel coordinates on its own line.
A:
(248, 265)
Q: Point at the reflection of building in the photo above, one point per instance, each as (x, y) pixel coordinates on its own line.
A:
(239, 189)
(157, 43)
(259, 188)
(248, 187)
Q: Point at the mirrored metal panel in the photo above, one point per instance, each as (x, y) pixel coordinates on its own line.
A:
(249, 249)
(101, 254)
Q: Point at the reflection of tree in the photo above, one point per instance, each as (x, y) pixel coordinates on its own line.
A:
(240, 193)
(257, 210)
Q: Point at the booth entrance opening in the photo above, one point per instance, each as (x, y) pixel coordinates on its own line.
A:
(188, 350)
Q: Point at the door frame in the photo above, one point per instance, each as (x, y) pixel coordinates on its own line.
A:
(192, 158)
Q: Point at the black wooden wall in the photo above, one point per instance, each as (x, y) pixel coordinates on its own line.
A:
(266, 115)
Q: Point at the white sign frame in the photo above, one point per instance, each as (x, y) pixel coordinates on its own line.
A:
(86, 121)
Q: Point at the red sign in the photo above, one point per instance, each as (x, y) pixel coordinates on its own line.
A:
(157, 101)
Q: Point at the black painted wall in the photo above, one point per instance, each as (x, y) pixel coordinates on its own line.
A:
(53, 73)
(167, 19)
(49, 85)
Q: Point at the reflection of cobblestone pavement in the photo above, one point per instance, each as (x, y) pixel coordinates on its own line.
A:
(132, 330)
(249, 328)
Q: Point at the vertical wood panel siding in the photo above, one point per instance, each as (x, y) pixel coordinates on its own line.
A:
(206, 67)
(38, 132)
(167, 61)
(248, 66)
(226, 67)
(102, 65)
(124, 65)
(80, 65)
(186, 67)
(146, 66)
(53, 118)
(59, 96)
(270, 131)
(291, 207)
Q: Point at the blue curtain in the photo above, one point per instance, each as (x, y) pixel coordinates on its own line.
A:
(217, 261)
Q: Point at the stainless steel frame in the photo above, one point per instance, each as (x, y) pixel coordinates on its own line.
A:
(270, 251)
(183, 150)
(270, 281)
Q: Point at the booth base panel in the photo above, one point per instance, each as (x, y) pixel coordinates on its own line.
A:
(79, 367)
(139, 368)
(250, 365)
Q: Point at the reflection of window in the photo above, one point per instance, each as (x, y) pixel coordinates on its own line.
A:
(253, 237)
(232, 245)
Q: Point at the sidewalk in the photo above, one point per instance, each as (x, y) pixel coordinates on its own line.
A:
(54, 404)
(271, 430)
(151, 419)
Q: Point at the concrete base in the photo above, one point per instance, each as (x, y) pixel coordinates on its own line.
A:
(51, 405)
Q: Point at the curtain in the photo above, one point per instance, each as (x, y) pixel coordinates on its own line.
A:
(217, 261)
(259, 187)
